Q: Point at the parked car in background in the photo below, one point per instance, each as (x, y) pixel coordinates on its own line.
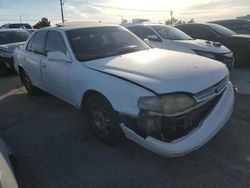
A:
(16, 26)
(171, 38)
(9, 40)
(169, 102)
(7, 176)
(238, 43)
(238, 26)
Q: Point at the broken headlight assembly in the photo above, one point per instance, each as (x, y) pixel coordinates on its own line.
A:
(168, 104)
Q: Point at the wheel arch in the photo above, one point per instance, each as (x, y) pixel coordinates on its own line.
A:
(88, 94)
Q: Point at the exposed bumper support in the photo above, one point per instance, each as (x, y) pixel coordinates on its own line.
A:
(195, 139)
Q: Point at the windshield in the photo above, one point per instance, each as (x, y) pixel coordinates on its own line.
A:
(168, 32)
(7, 37)
(99, 42)
(221, 30)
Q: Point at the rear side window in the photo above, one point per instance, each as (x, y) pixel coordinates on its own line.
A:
(141, 31)
(55, 42)
(37, 42)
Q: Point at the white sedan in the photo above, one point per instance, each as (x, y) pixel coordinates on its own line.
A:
(169, 102)
(171, 38)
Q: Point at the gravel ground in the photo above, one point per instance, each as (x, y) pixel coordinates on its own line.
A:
(56, 149)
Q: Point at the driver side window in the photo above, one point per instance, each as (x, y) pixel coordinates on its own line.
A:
(55, 42)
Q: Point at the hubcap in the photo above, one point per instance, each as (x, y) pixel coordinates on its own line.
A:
(101, 121)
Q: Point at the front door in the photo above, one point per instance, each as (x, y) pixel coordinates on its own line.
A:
(56, 74)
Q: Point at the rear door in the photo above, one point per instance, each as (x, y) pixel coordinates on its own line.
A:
(56, 74)
(34, 53)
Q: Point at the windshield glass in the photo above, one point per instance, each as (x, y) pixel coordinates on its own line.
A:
(7, 37)
(221, 30)
(99, 42)
(168, 32)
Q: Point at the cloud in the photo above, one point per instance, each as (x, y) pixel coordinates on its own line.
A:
(216, 9)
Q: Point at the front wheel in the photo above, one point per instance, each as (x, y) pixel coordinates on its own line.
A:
(31, 89)
(104, 120)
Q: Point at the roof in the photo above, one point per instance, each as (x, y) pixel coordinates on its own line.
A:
(77, 27)
(196, 24)
(83, 24)
(139, 24)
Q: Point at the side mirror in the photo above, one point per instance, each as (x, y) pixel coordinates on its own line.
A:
(58, 56)
(153, 38)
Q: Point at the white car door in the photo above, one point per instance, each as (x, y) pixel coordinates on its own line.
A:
(56, 74)
(34, 53)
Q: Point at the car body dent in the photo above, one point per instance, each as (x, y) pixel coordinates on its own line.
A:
(120, 102)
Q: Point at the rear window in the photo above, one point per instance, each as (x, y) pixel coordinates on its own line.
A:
(7, 37)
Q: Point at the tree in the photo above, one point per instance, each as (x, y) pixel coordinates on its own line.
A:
(176, 21)
(44, 22)
(191, 20)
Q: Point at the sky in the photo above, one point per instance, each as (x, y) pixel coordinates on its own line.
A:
(31, 11)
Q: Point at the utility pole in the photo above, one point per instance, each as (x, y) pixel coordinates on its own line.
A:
(61, 4)
(121, 18)
(20, 17)
(171, 17)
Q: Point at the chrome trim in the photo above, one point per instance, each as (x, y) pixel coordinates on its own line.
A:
(212, 91)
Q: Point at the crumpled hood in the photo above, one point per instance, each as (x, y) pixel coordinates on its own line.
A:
(9, 48)
(163, 71)
(203, 45)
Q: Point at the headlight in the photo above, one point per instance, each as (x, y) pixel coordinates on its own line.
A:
(205, 54)
(169, 104)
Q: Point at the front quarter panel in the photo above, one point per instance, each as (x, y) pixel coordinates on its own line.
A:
(122, 94)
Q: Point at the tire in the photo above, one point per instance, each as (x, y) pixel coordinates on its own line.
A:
(31, 89)
(103, 120)
(4, 71)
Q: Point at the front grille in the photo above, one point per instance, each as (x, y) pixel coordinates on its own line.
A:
(212, 91)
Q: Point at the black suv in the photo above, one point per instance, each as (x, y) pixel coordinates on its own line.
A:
(238, 26)
(238, 43)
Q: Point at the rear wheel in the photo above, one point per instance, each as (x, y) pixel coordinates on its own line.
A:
(3, 69)
(31, 89)
(104, 120)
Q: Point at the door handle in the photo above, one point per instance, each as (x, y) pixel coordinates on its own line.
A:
(43, 65)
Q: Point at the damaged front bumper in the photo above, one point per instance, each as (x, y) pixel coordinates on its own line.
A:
(197, 136)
